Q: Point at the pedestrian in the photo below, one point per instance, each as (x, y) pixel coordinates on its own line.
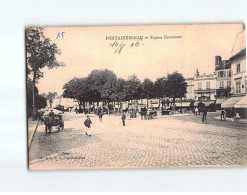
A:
(237, 116)
(123, 118)
(196, 111)
(100, 116)
(199, 110)
(88, 123)
(204, 115)
(222, 115)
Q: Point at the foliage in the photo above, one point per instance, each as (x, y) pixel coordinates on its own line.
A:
(147, 88)
(132, 88)
(102, 82)
(160, 85)
(40, 52)
(176, 86)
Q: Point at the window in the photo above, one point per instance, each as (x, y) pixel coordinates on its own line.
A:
(229, 73)
(221, 84)
(228, 83)
(199, 85)
(238, 68)
(221, 73)
(224, 73)
(238, 86)
(208, 85)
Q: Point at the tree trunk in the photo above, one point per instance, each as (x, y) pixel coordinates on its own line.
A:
(173, 105)
(162, 104)
(34, 78)
(181, 107)
(147, 102)
(84, 107)
(108, 108)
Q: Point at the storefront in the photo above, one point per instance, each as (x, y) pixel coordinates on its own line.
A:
(241, 107)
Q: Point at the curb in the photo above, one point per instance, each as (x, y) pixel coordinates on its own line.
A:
(30, 141)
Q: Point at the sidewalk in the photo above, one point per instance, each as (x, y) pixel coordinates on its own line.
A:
(231, 119)
(32, 125)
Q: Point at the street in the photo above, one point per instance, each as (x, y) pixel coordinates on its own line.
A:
(167, 141)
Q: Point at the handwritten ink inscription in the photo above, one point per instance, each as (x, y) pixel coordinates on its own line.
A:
(60, 35)
(118, 46)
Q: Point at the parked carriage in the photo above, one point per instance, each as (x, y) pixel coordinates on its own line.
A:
(53, 121)
(148, 114)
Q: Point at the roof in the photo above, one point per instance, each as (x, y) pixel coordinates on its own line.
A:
(192, 78)
(240, 43)
(239, 54)
(242, 103)
(205, 76)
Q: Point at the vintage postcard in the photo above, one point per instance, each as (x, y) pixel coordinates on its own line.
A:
(154, 96)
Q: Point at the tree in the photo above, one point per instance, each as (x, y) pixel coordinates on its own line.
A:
(160, 89)
(120, 93)
(41, 102)
(176, 86)
(132, 88)
(148, 89)
(77, 88)
(102, 82)
(30, 96)
(40, 53)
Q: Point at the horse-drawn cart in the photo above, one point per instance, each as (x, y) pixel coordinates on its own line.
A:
(148, 114)
(53, 121)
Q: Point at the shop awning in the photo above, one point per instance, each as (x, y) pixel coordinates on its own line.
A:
(221, 101)
(231, 102)
(206, 103)
(242, 103)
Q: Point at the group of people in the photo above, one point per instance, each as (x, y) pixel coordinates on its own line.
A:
(235, 114)
(88, 121)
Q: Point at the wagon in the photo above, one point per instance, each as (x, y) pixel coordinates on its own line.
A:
(53, 121)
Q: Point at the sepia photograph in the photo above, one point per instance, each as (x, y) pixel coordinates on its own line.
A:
(136, 96)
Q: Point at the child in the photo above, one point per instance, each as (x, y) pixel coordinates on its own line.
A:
(237, 116)
(196, 110)
(88, 123)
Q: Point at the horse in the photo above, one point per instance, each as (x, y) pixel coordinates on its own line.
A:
(50, 121)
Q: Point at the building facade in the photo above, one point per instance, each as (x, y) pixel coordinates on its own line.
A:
(190, 89)
(238, 87)
(238, 59)
(205, 87)
(223, 74)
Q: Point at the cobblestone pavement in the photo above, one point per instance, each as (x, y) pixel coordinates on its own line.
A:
(168, 141)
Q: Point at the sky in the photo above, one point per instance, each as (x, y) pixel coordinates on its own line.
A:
(86, 48)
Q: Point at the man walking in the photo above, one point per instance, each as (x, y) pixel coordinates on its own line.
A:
(222, 115)
(88, 123)
(100, 115)
(204, 115)
(123, 118)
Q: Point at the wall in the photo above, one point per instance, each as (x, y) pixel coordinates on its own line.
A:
(236, 75)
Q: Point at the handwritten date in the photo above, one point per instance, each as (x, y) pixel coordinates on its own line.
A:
(120, 46)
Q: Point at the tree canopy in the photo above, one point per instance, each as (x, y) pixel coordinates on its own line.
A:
(176, 85)
(103, 85)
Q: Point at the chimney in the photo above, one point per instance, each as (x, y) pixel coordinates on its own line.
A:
(197, 73)
(217, 61)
